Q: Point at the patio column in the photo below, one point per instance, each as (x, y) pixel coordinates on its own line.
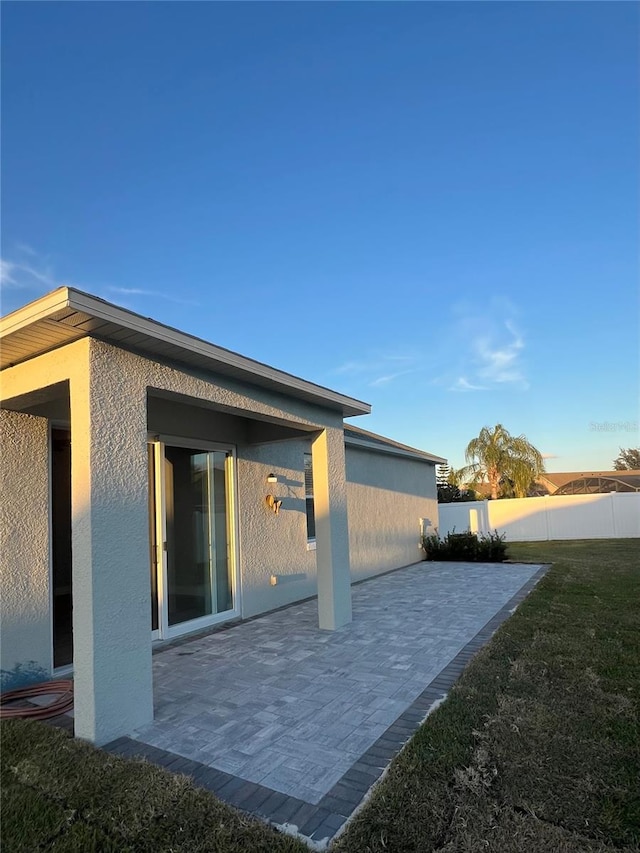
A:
(332, 533)
(111, 590)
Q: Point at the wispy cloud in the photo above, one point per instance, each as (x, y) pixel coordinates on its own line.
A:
(7, 273)
(371, 363)
(26, 249)
(155, 294)
(463, 384)
(27, 270)
(131, 291)
(489, 348)
(379, 369)
(389, 377)
(20, 275)
(498, 357)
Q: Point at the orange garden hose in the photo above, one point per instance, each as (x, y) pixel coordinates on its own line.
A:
(61, 705)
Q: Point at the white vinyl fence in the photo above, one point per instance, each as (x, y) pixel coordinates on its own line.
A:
(609, 516)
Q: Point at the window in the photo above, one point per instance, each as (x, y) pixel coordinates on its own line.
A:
(308, 495)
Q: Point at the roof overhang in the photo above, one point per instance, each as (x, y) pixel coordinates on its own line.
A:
(380, 444)
(66, 315)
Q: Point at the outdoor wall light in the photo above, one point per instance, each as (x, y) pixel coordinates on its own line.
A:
(274, 503)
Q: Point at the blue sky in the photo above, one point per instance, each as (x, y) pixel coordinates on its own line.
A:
(432, 207)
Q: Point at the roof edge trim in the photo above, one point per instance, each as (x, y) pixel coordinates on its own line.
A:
(77, 300)
(418, 455)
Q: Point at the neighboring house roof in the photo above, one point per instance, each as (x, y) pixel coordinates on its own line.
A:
(580, 483)
(590, 482)
(357, 437)
(66, 315)
(479, 488)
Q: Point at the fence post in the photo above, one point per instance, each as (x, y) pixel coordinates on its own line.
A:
(546, 515)
(612, 495)
(486, 523)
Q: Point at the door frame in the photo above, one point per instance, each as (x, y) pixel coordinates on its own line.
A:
(159, 442)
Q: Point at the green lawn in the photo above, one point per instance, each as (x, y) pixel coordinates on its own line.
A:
(64, 795)
(536, 749)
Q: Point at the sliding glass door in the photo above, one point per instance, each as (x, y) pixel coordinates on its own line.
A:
(191, 537)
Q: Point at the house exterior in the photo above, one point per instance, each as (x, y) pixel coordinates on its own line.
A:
(155, 485)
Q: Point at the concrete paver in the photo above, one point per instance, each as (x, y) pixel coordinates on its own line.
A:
(278, 702)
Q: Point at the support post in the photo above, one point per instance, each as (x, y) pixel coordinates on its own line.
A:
(111, 592)
(332, 532)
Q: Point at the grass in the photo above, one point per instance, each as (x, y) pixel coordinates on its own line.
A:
(537, 748)
(59, 794)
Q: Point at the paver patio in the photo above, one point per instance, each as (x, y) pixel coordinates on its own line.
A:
(295, 722)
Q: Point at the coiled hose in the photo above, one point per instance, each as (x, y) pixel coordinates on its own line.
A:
(61, 705)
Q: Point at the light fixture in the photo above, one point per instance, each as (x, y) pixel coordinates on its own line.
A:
(274, 503)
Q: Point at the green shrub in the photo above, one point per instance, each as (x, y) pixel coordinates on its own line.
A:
(466, 547)
(461, 546)
(433, 547)
(492, 547)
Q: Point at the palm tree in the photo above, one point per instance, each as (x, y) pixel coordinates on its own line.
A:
(496, 454)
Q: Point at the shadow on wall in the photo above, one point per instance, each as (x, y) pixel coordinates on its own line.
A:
(22, 674)
(290, 485)
(288, 504)
(390, 473)
(287, 491)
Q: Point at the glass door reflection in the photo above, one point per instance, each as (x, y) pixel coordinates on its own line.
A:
(196, 521)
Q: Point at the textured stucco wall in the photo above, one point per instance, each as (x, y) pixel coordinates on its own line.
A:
(111, 591)
(273, 544)
(25, 641)
(267, 542)
(223, 392)
(387, 496)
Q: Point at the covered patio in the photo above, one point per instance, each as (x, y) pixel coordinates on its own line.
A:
(110, 391)
(295, 723)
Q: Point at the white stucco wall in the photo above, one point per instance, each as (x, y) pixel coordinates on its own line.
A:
(387, 497)
(268, 544)
(25, 639)
(273, 544)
